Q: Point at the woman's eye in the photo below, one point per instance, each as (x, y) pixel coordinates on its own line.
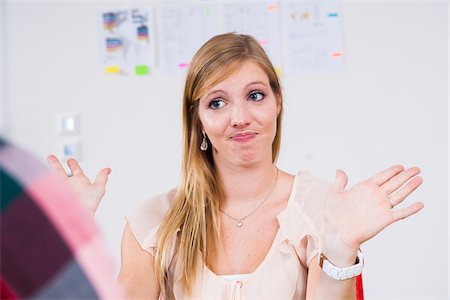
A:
(216, 104)
(256, 96)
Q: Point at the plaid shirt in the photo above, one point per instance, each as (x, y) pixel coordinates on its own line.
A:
(50, 245)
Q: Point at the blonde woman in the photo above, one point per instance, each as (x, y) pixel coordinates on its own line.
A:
(237, 226)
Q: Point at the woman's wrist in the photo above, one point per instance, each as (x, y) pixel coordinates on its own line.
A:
(338, 252)
(339, 273)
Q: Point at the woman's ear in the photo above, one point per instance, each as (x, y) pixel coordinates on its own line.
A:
(279, 103)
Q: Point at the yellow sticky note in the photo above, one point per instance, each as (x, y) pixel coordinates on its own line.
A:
(112, 70)
(278, 71)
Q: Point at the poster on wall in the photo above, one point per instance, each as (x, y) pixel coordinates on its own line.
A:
(127, 41)
(312, 37)
(182, 30)
(261, 20)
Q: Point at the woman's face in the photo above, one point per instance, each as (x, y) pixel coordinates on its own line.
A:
(239, 116)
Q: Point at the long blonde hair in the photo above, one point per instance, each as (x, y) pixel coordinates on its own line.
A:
(194, 214)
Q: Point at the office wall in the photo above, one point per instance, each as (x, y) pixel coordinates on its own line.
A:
(3, 113)
(389, 105)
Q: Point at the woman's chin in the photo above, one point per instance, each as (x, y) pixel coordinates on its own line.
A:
(245, 157)
(250, 158)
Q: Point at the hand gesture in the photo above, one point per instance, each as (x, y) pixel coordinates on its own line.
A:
(356, 215)
(88, 193)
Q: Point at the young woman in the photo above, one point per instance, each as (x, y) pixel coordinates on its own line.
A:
(237, 226)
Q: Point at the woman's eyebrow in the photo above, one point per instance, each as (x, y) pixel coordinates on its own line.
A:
(256, 82)
(224, 92)
(214, 92)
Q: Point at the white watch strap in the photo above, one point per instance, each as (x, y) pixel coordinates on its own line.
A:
(341, 273)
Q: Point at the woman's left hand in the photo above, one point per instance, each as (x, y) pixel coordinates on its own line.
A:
(356, 215)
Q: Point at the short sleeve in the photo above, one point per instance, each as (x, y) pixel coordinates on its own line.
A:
(301, 223)
(144, 221)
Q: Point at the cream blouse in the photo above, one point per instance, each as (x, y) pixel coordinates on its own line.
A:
(283, 272)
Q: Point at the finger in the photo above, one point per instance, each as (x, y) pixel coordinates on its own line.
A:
(102, 177)
(405, 191)
(398, 180)
(340, 181)
(387, 174)
(55, 164)
(406, 212)
(74, 167)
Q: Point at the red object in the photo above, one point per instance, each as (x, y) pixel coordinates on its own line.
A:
(359, 288)
(5, 291)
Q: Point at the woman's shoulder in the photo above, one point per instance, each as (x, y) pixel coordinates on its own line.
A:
(306, 200)
(303, 216)
(155, 207)
(305, 205)
(308, 187)
(145, 219)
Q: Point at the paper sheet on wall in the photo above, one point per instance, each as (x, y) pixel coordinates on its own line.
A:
(183, 29)
(127, 41)
(313, 39)
(260, 20)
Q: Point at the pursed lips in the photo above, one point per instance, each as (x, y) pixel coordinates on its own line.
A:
(243, 136)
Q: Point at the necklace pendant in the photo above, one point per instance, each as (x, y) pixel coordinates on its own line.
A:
(239, 224)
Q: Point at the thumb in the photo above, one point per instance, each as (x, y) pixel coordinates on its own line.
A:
(340, 181)
(102, 177)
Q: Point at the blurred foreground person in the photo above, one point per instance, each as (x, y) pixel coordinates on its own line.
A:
(50, 246)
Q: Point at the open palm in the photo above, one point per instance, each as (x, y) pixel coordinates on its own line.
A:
(361, 212)
(89, 193)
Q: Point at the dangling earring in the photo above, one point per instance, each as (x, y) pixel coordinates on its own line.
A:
(204, 145)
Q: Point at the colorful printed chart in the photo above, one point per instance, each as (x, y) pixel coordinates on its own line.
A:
(127, 41)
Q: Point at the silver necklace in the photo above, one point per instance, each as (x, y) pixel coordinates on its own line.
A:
(239, 221)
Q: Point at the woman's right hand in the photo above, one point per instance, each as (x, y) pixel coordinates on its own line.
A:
(89, 193)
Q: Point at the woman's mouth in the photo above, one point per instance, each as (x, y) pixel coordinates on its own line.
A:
(243, 137)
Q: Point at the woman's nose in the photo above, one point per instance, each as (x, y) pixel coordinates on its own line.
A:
(240, 116)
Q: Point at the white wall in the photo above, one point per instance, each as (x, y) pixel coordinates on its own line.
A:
(3, 105)
(389, 105)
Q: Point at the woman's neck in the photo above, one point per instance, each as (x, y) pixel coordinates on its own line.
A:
(246, 184)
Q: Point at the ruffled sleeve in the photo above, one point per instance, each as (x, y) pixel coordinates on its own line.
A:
(301, 223)
(146, 218)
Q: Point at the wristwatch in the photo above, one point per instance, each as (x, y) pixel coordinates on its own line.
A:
(341, 273)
